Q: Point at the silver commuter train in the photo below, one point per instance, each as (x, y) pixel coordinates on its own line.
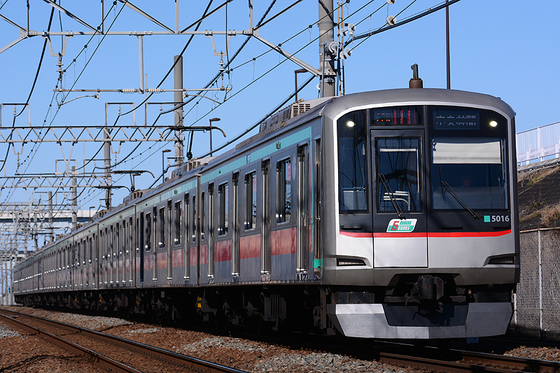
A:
(386, 214)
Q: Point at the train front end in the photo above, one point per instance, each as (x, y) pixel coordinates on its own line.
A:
(419, 188)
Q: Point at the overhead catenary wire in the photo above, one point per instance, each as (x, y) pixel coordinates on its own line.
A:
(213, 80)
(242, 89)
(31, 91)
(54, 94)
(228, 71)
(36, 145)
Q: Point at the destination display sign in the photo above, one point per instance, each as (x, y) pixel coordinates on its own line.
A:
(457, 120)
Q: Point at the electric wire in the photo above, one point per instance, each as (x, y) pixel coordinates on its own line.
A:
(198, 24)
(208, 85)
(30, 93)
(213, 80)
(151, 94)
(247, 86)
(229, 71)
(387, 27)
(37, 145)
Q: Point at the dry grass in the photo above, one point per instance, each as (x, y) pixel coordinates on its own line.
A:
(530, 178)
(550, 214)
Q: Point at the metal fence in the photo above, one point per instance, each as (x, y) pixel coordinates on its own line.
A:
(538, 143)
(537, 302)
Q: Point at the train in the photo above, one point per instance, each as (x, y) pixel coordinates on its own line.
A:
(386, 214)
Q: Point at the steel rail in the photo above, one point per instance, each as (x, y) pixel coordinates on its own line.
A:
(436, 365)
(156, 352)
(467, 361)
(100, 359)
(522, 364)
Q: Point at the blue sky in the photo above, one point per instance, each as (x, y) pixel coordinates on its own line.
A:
(506, 48)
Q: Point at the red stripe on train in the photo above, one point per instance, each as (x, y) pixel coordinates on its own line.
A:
(222, 251)
(425, 235)
(283, 241)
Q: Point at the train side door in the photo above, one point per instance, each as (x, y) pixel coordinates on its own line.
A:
(140, 246)
(265, 219)
(399, 209)
(304, 195)
(235, 229)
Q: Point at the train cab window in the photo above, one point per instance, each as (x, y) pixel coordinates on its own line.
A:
(468, 153)
(223, 207)
(251, 201)
(398, 174)
(178, 222)
(284, 191)
(148, 235)
(161, 227)
(397, 116)
(352, 164)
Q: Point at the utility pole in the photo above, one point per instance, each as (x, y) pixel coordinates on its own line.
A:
(10, 280)
(74, 199)
(447, 45)
(4, 274)
(179, 135)
(326, 48)
(50, 208)
(107, 165)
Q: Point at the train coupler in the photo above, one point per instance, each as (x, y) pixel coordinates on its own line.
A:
(428, 288)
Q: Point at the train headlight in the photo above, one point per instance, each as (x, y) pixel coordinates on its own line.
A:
(350, 123)
(493, 124)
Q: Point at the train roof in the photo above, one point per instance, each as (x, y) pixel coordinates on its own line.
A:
(408, 96)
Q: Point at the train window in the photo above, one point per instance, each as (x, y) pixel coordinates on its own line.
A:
(119, 231)
(148, 230)
(161, 226)
(396, 116)
(251, 201)
(131, 233)
(223, 206)
(283, 191)
(178, 222)
(352, 164)
(398, 174)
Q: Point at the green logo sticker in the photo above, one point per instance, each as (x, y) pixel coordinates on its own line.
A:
(401, 226)
(487, 218)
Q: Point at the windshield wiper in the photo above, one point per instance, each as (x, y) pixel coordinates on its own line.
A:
(391, 196)
(463, 204)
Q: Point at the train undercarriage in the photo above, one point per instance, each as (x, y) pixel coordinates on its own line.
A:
(421, 307)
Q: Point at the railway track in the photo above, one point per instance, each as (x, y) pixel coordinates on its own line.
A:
(455, 360)
(112, 353)
(470, 362)
(415, 359)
